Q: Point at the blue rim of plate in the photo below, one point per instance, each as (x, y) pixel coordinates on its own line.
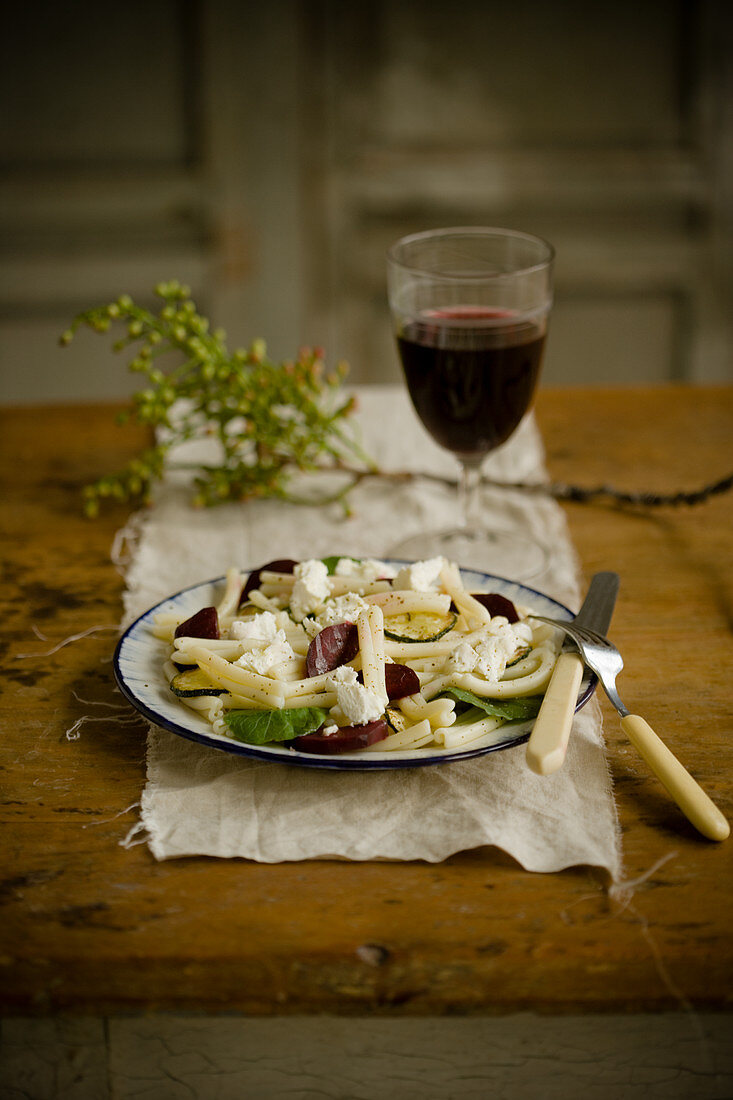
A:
(138, 669)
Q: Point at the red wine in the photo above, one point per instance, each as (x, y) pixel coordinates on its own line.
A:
(471, 373)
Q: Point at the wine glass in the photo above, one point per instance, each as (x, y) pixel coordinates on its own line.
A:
(470, 309)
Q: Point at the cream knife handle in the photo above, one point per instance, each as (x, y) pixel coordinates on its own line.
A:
(548, 741)
(686, 792)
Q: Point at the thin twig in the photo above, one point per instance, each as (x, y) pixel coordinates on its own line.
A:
(559, 490)
(643, 498)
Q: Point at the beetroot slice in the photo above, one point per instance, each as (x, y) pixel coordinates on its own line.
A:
(497, 605)
(280, 565)
(399, 681)
(333, 646)
(347, 739)
(204, 624)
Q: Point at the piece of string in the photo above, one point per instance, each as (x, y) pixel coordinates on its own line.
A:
(128, 841)
(126, 716)
(73, 733)
(106, 820)
(623, 891)
(99, 703)
(668, 982)
(67, 641)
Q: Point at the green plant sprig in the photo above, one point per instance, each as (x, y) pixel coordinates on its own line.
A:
(269, 420)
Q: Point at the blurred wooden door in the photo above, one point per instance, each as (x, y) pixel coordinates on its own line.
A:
(268, 154)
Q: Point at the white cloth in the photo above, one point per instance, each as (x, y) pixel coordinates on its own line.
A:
(201, 801)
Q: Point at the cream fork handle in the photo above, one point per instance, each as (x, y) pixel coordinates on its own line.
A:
(689, 796)
(548, 741)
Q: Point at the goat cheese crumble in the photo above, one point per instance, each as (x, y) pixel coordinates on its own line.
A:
(489, 653)
(368, 570)
(342, 609)
(357, 704)
(266, 657)
(421, 576)
(311, 588)
(262, 628)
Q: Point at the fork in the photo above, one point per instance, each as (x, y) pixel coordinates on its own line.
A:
(603, 658)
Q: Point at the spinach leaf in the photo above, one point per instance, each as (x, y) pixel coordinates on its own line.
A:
(259, 727)
(332, 561)
(511, 710)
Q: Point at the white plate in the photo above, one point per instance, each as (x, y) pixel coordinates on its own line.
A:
(138, 669)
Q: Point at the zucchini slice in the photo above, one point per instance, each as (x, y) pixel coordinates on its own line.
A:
(194, 683)
(182, 666)
(395, 719)
(419, 626)
(519, 656)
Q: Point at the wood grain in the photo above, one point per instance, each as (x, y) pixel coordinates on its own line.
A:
(91, 927)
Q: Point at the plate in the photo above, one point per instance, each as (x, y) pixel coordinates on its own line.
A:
(138, 668)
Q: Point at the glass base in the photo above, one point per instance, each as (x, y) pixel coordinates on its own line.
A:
(501, 552)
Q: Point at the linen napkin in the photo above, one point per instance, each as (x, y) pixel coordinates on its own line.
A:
(202, 801)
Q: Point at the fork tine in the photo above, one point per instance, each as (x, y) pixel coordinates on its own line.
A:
(593, 636)
(597, 652)
(583, 632)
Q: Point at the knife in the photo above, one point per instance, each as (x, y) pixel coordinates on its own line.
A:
(548, 741)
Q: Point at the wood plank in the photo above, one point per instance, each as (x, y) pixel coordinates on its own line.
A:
(89, 926)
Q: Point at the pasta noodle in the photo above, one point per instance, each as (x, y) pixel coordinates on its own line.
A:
(469, 666)
(465, 733)
(227, 607)
(438, 712)
(370, 626)
(473, 610)
(400, 603)
(408, 651)
(413, 737)
(227, 675)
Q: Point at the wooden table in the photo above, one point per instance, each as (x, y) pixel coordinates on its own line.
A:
(89, 927)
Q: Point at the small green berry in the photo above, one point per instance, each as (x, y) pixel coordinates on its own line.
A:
(265, 417)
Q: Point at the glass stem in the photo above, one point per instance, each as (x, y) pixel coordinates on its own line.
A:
(468, 494)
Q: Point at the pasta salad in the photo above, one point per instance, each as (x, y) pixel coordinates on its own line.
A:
(339, 655)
